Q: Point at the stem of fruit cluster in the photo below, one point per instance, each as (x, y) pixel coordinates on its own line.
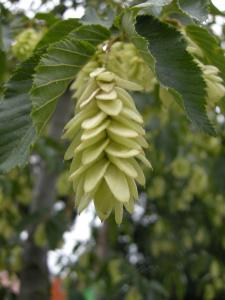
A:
(108, 48)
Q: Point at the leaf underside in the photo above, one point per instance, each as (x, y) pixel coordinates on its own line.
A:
(140, 43)
(17, 133)
(197, 9)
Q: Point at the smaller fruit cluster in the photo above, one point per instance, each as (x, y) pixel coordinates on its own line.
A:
(25, 43)
(123, 60)
(107, 144)
(215, 86)
(211, 74)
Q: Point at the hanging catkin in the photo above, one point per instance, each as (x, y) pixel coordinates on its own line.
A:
(107, 141)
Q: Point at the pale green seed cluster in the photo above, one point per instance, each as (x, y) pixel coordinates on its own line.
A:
(107, 141)
(181, 167)
(25, 43)
(215, 85)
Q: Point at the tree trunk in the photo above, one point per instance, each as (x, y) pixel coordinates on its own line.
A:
(102, 242)
(35, 281)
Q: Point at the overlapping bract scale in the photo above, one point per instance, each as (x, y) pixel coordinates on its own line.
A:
(107, 141)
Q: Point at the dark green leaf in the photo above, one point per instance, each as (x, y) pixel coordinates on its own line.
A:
(61, 64)
(175, 67)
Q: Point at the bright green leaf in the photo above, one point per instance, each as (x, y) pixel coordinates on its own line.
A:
(60, 66)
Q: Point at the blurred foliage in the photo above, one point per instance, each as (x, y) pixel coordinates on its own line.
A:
(173, 246)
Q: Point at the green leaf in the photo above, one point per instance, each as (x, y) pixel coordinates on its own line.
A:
(209, 45)
(197, 9)
(175, 67)
(16, 129)
(58, 31)
(61, 64)
(140, 43)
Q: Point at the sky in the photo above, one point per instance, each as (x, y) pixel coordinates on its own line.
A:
(71, 13)
(219, 4)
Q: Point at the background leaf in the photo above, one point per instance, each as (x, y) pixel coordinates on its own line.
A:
(175, 67)
(91, 17)
(197, 9)
(61, 64)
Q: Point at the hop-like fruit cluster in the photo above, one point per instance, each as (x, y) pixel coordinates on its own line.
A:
(215, 86)
(25, 43)
(181, 167)
(123, 60)
(107, 141)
